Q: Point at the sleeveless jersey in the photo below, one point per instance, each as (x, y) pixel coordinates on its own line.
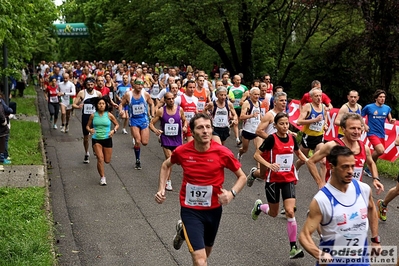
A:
(270, 129)
(360, 159)
(220, 115)
(171, 126)
(52, 93)
(155, 90)
(88, 107)
(282, 154)
(202, 99)
(101, 125)
(189, 108)
(358, 111)
(317, 128)
(251, 124)
(238, 92)
(137, 107)
(345, 221)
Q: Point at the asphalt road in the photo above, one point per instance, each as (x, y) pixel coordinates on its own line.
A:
(121, 224)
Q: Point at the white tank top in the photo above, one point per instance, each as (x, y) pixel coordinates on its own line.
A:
(270, 129)
(252, 123)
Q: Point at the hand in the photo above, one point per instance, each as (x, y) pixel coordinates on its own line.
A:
(158, 132)
(378, 186)
(185, 129)
(160, 196)
(274, 167)
(225, 197)
(393, 120)
(319, 118)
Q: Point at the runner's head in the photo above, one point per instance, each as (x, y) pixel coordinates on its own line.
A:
(342, 163)
(169, 99)
(352, 126)
(201, 127)
(221, 93)
(282, 123)
(190, 88)
(138, 84)
(379, 97)
(254, 94)
(280, 101)
(89, 84)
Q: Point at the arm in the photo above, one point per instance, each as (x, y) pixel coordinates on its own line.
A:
(318, 156)
(89, 123)
(244, 97)
(227, 195)
(155, 119)
(311, 224)
(77, 102)
(390, 119)
(166, 168)
(150, 103)
(304, 113)
(373, 219)
(233, 113)
(72, 92)
(115, 122)
(374, 171)
(244, 111)
(341, 112)
(264, 123)
(184, 121)
(258, 157)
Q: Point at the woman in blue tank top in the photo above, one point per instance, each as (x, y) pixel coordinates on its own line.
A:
(99, 126)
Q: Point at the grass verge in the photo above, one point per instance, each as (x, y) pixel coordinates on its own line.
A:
(24, 229)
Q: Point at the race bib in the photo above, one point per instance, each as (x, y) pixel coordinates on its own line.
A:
(357, 173)
(317, 126)
(138, 109)
(155, 90)
(54, 99)
(236, 102)
(198, 195)
(200, 106)
(353, 240)
(189, 115)
(220, 121)
(88, 109)
(285, 161)
(171, 129)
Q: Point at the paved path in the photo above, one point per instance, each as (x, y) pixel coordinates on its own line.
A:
(120, 224)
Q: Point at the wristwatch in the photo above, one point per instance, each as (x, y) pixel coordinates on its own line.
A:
(114, 130)
(376, 177)
(234, 193)
(376, 239)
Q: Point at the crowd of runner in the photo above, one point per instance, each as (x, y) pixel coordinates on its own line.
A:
(192, 115)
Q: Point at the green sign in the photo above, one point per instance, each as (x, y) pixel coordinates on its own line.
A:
(72, 30)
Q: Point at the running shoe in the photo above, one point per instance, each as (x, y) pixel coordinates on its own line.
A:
(138, 165)
(382, 210)
(239, 156)
(134, 142)
(62, 129)
(256, 209)
(86, 159)
(283, 210)
(296, 253)
(238, 142)
(124, 131)
(250, 177)
(367, 172)
(178, 239)
(55, 126)
(103, 181)
(169, 185)
(66, 129)
(6, 161)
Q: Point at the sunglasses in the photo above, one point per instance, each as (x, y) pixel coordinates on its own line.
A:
(139, 82)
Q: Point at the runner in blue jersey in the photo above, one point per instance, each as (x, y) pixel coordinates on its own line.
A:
(120, 91)
(377, 113)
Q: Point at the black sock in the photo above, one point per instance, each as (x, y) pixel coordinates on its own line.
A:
(293, 244)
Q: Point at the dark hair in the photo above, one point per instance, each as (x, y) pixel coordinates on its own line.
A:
(353, 116)
(314, 83)
(377, 93)
(89, 79)
(105, 98)
(189, 82)
(279, 116)
(336, 151)
(198, 116)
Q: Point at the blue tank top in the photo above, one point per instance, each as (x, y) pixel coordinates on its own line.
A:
(102, 126)
(138, 108)
(171, 126)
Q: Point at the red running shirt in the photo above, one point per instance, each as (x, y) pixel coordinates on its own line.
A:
(203, 174)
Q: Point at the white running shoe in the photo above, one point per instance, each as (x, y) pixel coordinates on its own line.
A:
(62, 129)
(55, 126)
(169, 185)
(124, 131)
(103, 181)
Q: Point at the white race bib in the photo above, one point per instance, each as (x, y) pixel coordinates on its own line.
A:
(357, 173)
(189, 115)
(236, 102)
(88, 109)
(53, 99)
(285, 161)
(200, 106)
(171, 129)
(317, 126)
(138, 109)
(198, 195)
